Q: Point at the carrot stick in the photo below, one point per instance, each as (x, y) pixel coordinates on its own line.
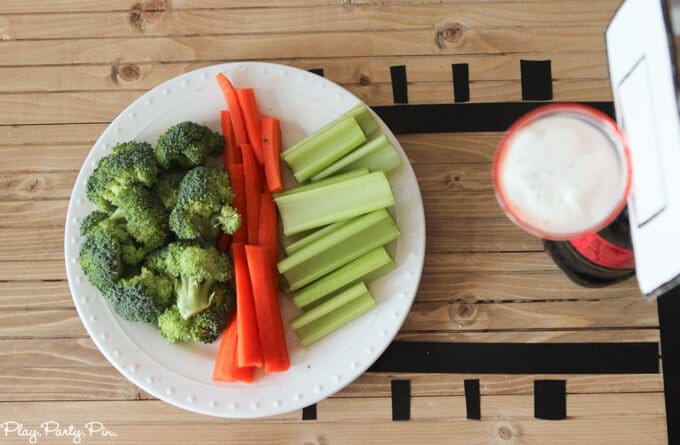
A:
(239, 187)
(226, 368)
(232, 153)
(223, 242)
(268, 227)
(251, 118)
(248, 346)
(271, 152)
(253, 188)
(235, 112)
(266, 297)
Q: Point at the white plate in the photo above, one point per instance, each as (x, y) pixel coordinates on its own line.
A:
(181, 374)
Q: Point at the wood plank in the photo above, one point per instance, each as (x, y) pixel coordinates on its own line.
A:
(30, 295)
(468, 177)
(480, 206)
(36, 185)
(354, 71)
(61, 134)
(103, 106)
(41, 158)
(423, 316)
(29, 270)
(57, 6)
(340, 44)
(75, 383)
(453, 285)
(79, 352)
(649, 430)
(438, 148)
(173, 22)
(466, 316)
(40, 213)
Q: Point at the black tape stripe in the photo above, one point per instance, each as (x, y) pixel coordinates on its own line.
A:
(401, 399)
(520, 358)
(472, 399)
(669, 326)
(462, 117)
(461, 82)
(399, 84)
(317, 71)
(536, 80)
(550, 399)
(309, 412)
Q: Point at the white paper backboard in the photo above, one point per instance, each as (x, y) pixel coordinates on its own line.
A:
(642, 73)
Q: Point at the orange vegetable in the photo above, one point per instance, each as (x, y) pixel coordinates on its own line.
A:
(226, 368)
(235, 112)
(239, 187)
(249, 353)
(252, 177)
(251, 118)
(271, 152)
(231, 151)
(268, 228)
(266, 297)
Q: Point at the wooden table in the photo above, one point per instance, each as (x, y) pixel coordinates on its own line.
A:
(69, 67)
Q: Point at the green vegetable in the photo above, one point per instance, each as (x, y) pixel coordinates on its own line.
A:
(130, 164)
(314, 236)
(101, 257)
(323, 148)
(335, 318)
(377, 260)
(333, 303)
(203, 206)
(91, 221)
(143, 216)
(195, 271)
(167, 187)
(338, 247)
(331, 180)
(142, 297)
(203, 327)
(377, 154)
(187, 145)
(335, 202)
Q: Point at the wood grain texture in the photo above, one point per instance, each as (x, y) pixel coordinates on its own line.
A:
(339, 44)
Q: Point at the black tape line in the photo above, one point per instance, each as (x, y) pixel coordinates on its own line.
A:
(317, 71)
(462, 117)
(309, 412)
(401, 399)
(669, 326)
(399, 84)
(550, 399)
(461, 82)
(536, 80)
(472, 399)
(520, 358)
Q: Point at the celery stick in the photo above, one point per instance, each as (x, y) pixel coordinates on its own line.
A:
(328, 306)
(314, 236)
(335, 202)
(311, 156)
(376, 150)
(350, 241)
(360, 113)
(331, 180)
(334, 320)
(349, 273)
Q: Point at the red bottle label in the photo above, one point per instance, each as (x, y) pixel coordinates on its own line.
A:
(603, 253)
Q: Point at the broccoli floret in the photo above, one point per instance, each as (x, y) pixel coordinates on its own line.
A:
(187, 144)
(91, 221)
(101, 258)
(195, 270)
(143, 297)
(143, 216)
(130, 164)
(167, 186)
(203, 206)
(203, 327)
